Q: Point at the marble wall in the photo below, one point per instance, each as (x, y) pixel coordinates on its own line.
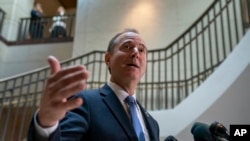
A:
(159, 22)
(14, 9)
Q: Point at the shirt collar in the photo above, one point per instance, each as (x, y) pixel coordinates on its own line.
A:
(119, 92)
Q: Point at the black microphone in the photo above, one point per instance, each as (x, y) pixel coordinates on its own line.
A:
(201, 132)
(219, 131)
(170, 138)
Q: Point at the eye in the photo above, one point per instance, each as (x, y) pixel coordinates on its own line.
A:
(142, 49)
(127, 46)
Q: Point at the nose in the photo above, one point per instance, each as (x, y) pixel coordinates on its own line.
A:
(135, 50)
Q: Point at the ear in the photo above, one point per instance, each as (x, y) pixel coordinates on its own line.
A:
(107, 59)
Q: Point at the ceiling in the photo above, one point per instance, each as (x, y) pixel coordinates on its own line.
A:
(50, 6)
(68, 4)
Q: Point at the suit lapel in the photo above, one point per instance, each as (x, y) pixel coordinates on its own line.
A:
(151, 124)
(116, 108)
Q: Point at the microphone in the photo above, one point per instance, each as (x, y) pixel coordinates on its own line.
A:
(201, 132)
(219, 131)
(170, 138)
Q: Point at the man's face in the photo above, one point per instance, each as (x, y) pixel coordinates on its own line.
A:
(127, 60)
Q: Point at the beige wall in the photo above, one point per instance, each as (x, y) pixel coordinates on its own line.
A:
(159, 22)
(20, 59)
(15, 9)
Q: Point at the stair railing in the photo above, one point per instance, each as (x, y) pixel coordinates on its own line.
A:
(2, 16)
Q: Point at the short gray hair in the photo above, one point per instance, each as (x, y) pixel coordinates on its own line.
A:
(112, 42)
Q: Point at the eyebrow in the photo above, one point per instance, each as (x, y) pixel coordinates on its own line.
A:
(132, 41)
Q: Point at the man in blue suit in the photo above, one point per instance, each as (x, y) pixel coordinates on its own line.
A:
(99, 114)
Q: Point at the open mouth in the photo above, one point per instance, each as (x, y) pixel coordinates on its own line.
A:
(133, 65)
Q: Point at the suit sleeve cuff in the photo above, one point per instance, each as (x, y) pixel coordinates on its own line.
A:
(44, 132)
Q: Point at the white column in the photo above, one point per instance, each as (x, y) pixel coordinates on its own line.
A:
(14, 9)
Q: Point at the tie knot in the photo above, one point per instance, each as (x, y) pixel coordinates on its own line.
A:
(130, 100)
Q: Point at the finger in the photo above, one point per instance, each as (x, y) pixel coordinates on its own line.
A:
(68, 92)
(72, 104)
(54, 64)
(66, 72)
(57, 83)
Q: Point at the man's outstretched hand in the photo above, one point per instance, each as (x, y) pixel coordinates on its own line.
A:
(61, 84)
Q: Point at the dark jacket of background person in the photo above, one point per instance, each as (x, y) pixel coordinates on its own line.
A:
(36, 23)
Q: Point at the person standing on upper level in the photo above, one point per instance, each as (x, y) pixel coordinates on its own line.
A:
(58, 28)
(36, 22)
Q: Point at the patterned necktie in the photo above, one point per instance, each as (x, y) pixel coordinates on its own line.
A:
(135, 120)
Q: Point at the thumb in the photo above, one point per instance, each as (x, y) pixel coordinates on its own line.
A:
(54, 64)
